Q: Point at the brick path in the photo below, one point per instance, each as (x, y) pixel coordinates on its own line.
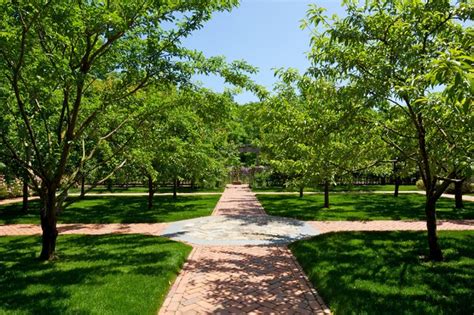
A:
(15, 200)
(89, 229)
(242, 279)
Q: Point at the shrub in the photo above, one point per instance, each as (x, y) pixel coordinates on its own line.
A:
(3, 192)
(467, 186)
(10, 190)
(15, 188)
(420, 185)
(3, 188)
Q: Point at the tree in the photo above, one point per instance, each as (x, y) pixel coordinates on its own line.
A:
(66, 63)
(308, 137)
(184, 137)
(397, 54)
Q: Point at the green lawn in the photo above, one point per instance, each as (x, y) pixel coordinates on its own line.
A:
(118, 209)
(339, 188)
(113, 274)
(101, 189)
(385, 273)
(361, 207)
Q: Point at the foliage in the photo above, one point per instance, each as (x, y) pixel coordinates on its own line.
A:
(409, 61)
(307, 136)
(185, 136)
(384, 272)
(394, 54)
(109, 274)
(74, 72)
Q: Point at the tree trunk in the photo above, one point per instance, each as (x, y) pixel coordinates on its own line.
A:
(458, 195)
(397, 186)
(151, 192)
(24, 206)
(175, 188)
(326, 194)
(301, 192)
(48, 224)
(83, 186)
(430, 210)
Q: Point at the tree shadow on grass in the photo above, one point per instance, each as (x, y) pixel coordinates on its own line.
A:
(93, 274)
(361, 207)
(118, 209)
(385, 273)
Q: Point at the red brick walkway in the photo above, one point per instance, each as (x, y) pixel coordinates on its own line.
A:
(89, 229)
(242, 279)
(237, 280)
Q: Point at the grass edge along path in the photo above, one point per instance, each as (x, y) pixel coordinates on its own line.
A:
(107, 274)
(374, 271)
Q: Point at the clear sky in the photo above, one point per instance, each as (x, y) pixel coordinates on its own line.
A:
(265, 33)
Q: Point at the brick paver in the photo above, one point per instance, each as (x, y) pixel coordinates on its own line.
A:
(242, 279)
(238, 200)
(235, 279)
(87, 229)
(15, 200)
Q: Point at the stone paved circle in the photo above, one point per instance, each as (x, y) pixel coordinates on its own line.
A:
(239, 230)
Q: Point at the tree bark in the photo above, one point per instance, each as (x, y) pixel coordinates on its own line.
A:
(326, 194)
(458, 195)
(83, 186)
(301, 192)
(25, 205)
(48, 224)
(397, 186)
(151, 192)
(430, 210)
(175, 188)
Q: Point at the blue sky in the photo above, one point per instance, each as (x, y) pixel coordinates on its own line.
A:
(265, 33)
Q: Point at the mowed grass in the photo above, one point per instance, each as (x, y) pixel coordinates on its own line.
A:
(339, 188)
(356, 206)
(113, 274)
(118, 209)
(142, 189)
(383, 273)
